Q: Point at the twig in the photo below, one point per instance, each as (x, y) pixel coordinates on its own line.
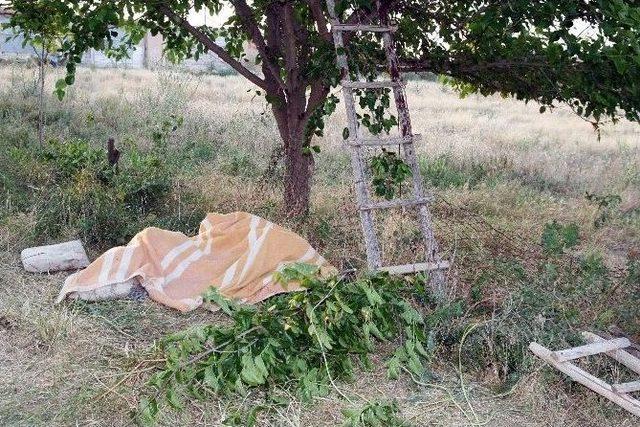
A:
(218, 347)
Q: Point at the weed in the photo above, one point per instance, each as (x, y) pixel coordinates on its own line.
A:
(444, 172)
(556, 238)
(607, 205)
(239, 163)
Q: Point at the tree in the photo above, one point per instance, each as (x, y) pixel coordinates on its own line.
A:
(45, 34)
(532, 50)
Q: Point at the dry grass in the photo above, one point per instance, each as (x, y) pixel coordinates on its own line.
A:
(79, 364)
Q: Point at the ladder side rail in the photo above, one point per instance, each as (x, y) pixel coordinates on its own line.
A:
(374, 258)
(586, 379)
(426, 222)
(622, 356)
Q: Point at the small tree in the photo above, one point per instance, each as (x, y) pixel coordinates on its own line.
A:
(529, 50)
(45, 33)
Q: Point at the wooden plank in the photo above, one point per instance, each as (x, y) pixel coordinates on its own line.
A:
(629, 387)
(590, 349)
(397, 203)
(614, 331)
(372, 85)
(384, 141)
(371, 28)
(586, 379)
(415, 268)
(622, 356)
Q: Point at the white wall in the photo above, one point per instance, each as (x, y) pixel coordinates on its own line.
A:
(99, 59)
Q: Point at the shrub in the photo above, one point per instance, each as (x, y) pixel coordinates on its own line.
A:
(106, 204)
(71, 189)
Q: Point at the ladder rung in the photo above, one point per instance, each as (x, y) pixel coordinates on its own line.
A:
(629, 387)
(372, 28)
(371, 85)
(415, 268)
(397, 203)
(590, 349)
(622, 356)
(381, 142)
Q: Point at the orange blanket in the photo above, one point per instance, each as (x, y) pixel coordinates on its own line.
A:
(238, 253)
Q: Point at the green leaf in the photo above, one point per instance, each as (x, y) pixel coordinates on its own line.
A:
(173, 399)
(147, 411)
(250, 372)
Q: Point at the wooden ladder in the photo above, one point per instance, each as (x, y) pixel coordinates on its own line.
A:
(356, 142)
(617, 393)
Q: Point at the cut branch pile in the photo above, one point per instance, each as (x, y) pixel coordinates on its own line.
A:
(305, 340)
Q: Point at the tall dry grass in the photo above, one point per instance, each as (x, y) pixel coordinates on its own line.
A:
(497, 158)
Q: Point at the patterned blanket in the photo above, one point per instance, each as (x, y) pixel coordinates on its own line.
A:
(238, 253)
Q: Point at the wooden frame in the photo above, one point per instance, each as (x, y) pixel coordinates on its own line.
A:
(433, 264)
(614, 348)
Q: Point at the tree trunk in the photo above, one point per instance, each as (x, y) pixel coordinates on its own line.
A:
(298, 163)
(297, 178)
(41, 77)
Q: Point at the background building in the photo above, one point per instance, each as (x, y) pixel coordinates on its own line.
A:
(146, 54)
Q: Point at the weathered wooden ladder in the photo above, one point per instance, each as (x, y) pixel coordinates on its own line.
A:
(617, 393)
(356, 142)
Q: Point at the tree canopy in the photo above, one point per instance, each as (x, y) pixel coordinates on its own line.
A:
(583, 53)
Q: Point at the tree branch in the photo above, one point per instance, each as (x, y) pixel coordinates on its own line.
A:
(290, 50)
(212, 46)
(321, 20)
(251, 26)
(317, 97)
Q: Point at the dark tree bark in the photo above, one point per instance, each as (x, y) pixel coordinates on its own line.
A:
(297, 179)
(285, 84)
(298, 163)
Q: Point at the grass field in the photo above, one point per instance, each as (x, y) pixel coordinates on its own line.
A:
(502, 174)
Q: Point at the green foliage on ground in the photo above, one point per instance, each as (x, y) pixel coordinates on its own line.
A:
(374, 414)
(307, 341)
(304, 340)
